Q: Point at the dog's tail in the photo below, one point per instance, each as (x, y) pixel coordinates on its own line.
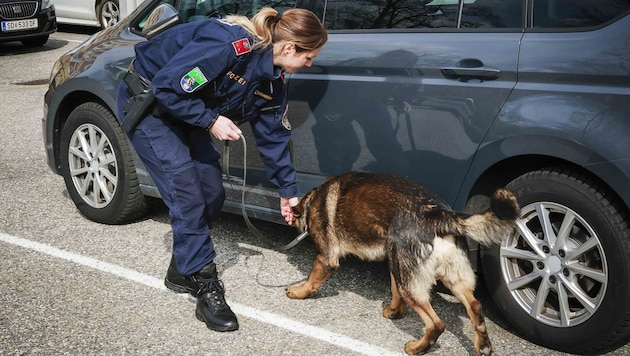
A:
(489, 227)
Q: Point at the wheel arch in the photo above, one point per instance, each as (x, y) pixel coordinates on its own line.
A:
(71, 100)
(491, 167)
(481, 182)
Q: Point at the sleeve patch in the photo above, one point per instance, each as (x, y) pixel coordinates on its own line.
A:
(242, 46)
(193, 80)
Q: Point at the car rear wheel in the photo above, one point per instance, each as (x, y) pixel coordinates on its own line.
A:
(562, 278)
(108, 12)
(97, 166)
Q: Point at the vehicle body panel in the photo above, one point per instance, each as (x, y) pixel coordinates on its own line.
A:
(583, 121)
(447, 117)
(77, 74)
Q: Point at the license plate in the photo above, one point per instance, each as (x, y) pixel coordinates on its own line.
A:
(19, 25)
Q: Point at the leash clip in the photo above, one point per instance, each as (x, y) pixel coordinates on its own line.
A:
(295, 241)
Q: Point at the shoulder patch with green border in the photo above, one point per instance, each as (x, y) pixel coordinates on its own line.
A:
(192, 80)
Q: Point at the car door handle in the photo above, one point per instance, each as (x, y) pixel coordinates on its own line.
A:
(471, 68)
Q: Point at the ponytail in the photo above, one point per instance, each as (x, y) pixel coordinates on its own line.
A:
(268, 26)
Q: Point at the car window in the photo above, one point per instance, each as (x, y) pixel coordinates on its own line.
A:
(138, 24)
(378, 14)
(316, 6)
(406, 14)
(576, 13)
(192, 10)
(492, 14)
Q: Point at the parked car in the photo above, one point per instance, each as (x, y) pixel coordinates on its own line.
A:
(95, 13)
(461, 96)
(30, 22)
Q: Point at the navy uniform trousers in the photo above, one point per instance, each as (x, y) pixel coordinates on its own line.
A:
(184, 163)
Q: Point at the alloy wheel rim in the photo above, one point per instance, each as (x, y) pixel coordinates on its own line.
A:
(554, 265)
(93, 166)
(110, 13)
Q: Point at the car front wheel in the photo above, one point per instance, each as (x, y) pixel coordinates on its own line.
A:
(562, 278)
(97, 166)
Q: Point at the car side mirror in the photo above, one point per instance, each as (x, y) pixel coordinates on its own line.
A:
(161, 19)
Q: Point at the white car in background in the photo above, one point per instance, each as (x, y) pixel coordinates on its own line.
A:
(98, 13)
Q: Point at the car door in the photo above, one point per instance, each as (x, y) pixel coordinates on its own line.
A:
(72, 11)
(405, 87)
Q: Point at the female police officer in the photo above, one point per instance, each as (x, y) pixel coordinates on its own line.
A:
(207, 77)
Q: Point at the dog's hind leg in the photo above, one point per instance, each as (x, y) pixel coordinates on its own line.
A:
(321, 273)
(416, 293)
(396, 308)
(475, 313)
(433, 328)
(458, 276)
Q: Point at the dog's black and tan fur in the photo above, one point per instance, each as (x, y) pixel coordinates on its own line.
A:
(377, 217)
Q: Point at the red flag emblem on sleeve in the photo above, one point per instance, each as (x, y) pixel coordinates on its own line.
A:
(242, 46)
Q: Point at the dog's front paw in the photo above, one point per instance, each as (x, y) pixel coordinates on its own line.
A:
(417, 347)
(391, 313)
(296, 292)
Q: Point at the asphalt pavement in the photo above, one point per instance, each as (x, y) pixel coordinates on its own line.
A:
(72, 286)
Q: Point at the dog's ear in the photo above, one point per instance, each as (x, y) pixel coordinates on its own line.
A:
(299, 209)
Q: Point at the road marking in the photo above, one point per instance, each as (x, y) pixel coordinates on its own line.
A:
(280, 321)
(68, 39)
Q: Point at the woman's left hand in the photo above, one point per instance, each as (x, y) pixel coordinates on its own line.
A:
(285, 208)
(225, 130)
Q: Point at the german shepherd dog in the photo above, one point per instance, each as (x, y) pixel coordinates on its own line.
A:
(379, 216)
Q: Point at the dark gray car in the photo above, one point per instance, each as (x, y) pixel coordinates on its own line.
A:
(461, 96)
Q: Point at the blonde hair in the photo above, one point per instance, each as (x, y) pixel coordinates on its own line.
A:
(268, 26)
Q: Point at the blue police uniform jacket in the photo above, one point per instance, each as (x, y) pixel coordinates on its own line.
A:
(207, 68)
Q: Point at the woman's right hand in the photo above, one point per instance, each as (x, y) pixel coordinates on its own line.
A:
(225, 130)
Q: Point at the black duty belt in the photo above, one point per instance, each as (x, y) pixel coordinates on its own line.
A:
(142, 101)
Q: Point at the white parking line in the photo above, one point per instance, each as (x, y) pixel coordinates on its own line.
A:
(280, 321)
(59, 38)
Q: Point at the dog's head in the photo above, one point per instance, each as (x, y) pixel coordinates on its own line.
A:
(300, 212)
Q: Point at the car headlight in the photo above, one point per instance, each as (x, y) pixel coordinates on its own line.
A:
(47, 3)
(55, 69)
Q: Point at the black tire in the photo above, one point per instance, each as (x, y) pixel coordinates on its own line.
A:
(108, 13)
(35, 41)
(94, 149)
(586, 274)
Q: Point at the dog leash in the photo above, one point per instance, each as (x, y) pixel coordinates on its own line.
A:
(250, 225)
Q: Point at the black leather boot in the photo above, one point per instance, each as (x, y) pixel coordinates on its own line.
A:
(211, 305)
(206, 286)
(179, 283)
